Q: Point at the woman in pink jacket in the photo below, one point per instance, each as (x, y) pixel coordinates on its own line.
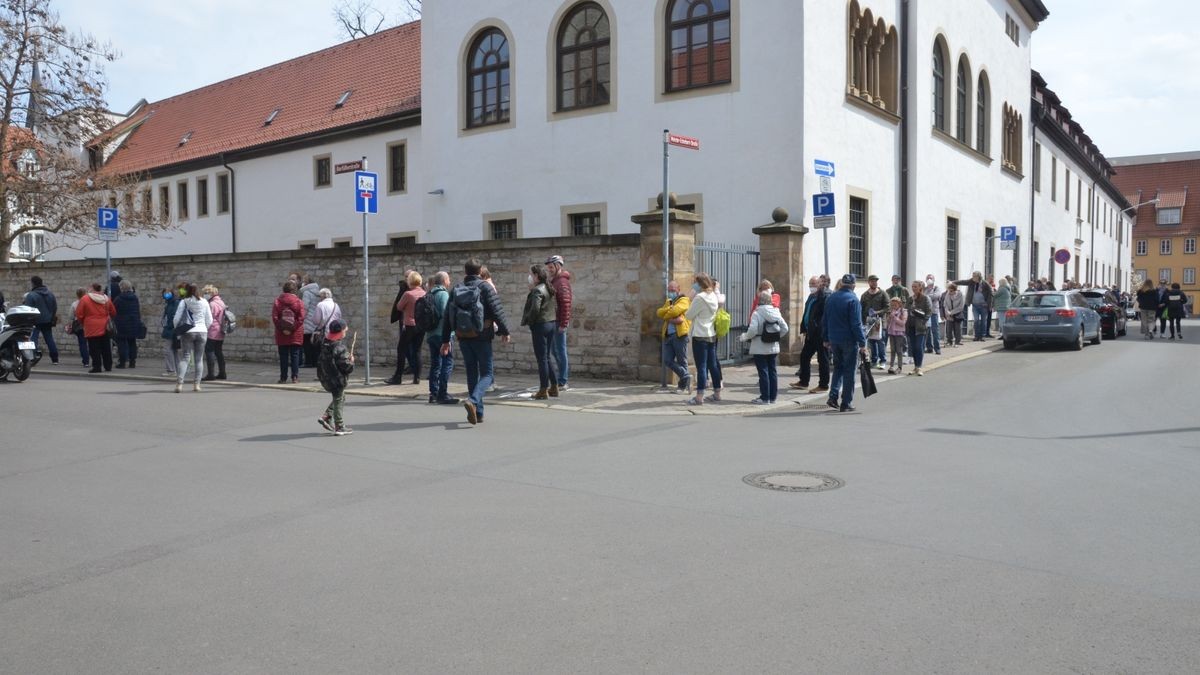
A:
(214, 356)
(411, 337)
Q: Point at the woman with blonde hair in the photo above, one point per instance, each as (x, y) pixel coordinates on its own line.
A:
(701, 313)
(410, 335)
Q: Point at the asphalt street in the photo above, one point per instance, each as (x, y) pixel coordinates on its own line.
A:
(1030, 511)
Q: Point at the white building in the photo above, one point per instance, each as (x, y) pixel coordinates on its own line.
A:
(545, 118)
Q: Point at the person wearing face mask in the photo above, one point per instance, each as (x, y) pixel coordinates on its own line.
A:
(933, 336)
(810, 328)
(540, 314)
(170, 344)
(214, 355)
(674, 334)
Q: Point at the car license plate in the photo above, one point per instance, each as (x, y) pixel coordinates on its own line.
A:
(1036, 317)
(26, 345)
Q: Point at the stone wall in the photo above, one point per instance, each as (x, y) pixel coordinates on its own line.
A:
(603, 341)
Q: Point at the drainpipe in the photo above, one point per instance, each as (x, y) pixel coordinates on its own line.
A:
(1092, 255)
(904, 128)
(232, 204)
(1036, 115)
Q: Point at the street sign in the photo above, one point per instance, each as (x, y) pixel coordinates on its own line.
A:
(1062, 256)
(107, 223)
(684, 141)
(823, 168)
(826, 184)
(1008, 233)
(1008, 244)
(347, 167)
(824, 222)
(366, 194)
(823, 204)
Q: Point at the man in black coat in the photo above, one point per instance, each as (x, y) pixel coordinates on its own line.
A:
(41, 299)
(474, 313)
(810, 328)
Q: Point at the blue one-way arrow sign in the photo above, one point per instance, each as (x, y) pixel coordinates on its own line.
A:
(823, 168)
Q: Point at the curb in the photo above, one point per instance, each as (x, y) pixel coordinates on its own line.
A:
(738, 409)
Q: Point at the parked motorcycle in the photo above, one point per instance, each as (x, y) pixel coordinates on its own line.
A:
(17, 349)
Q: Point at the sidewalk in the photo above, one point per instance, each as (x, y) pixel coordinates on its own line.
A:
(592, 396)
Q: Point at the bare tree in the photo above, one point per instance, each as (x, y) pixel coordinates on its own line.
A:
(52, 91)
(360, 18)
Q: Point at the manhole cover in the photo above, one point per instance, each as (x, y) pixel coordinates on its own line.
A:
(793, 481)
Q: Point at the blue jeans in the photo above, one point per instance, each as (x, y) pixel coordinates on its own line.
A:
(83, 348)
(127, 349)
(544, 341)
(47, 331)
(440, 367)
(935, 333)
(477, 359)
(559, 349)
(289, 356)
(768, 378)
(845, 364)
(878, 351)
(705, 356)
(916, 347)
(980, 313)
(674, 356)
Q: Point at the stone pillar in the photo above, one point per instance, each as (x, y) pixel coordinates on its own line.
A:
(781, 259)
(652, 290)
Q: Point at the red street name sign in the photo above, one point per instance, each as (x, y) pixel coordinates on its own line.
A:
(684, 141)
(347, 167)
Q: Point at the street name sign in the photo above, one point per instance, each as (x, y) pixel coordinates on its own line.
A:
(824, 222)
(823, 168)
(684, 141)
(347, 167)
(366, 193)
(107, 223)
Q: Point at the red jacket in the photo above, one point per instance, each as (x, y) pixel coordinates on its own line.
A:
(562, 294)
(289, 301)
(93, 311)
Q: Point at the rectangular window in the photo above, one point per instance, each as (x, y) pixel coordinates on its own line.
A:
(858, 236)
(147, 204)
(181, 190)
(201, 197)
(1053, 178)
(164, 202)
(322, 171)
(1012, 29)
(397, 168)
(989, 251)
(1141, 247)
(1079, 198)
(951, 248)
(1164, 275)
(1037, 167)
(127, 204)
(1170, 216)
(1189, 245)
(585, 224)
(1189, 276)
(1037, 262)
(223, 193)
(1164, 247)
(1067, 191)
(503, 229)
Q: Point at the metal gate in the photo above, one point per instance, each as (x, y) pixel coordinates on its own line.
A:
(736, 268)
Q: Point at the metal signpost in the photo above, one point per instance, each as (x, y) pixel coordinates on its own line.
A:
(824, 218)
(366, 200)
(690, 143)
(107, 224)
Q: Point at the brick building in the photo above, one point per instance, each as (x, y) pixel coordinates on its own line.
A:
(1166, 230)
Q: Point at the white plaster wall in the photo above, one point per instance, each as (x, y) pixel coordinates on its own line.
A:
(946, 178)
(750, 157)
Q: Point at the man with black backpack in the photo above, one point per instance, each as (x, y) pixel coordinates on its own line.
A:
(471, 311)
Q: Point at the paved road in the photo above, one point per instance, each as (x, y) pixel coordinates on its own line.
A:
(1032, 511)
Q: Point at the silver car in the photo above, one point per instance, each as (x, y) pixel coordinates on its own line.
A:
(1051, 316)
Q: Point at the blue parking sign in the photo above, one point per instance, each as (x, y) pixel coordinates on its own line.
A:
(366, 192)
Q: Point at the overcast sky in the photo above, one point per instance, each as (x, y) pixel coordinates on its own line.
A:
(1129, 71)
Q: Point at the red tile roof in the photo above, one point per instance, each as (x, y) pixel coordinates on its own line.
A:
(1167, 180)
(383, 72)
(1172, 200)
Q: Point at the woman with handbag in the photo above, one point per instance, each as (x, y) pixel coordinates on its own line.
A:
(192, 319)
(540, 314)
(129, 325)
(915, 328)
(767, 328)
(95, 312)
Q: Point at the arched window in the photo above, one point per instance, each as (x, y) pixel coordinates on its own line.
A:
(699, 46)
(583, 58)
(871, 48)
(981, 114)
(939, 87)
(488, 79)
(962, 108)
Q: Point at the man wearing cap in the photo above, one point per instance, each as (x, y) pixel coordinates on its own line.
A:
(334, 366)
(875, 300)
(842, 331)
(560, 279)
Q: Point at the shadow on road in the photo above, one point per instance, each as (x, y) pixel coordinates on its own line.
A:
(1078, 437)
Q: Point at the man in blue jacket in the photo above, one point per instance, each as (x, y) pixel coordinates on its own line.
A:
(843, 334)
